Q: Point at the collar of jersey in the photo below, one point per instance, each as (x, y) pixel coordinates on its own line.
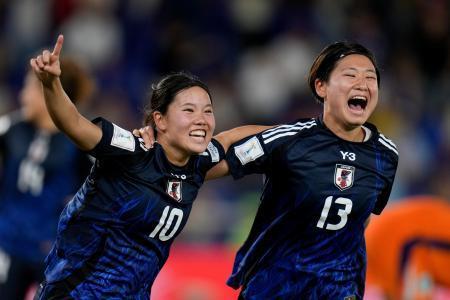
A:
(370, 126)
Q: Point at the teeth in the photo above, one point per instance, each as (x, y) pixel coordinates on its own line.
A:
(359, 98)
(200, 133)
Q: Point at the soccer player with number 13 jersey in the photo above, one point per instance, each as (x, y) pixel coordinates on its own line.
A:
(324, 176)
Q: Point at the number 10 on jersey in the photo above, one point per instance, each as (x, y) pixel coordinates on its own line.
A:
(165, 222)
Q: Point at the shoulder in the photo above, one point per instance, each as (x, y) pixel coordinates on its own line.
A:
(283, 133)
(213, 154)
(116, 141)
(214, 151)
(8, 121)
(384, 143)
(387, 144)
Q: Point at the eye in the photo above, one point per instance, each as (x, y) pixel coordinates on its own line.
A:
(349, 75)
(209, 111)
(188, 110)
(371, 77)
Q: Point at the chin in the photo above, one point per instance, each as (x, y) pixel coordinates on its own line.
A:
(198, 148)
(357, 120)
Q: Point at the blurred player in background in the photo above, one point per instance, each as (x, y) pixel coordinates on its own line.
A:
(408, 250)
(114, 235)
(40, 170)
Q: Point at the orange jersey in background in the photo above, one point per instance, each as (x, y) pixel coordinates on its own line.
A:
(408, 248)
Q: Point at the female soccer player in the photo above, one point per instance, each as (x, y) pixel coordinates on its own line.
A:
(114, 235)
(324, 177)
(41, 170)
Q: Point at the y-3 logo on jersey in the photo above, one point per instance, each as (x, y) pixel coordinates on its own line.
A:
(343, 176)
(350, 155)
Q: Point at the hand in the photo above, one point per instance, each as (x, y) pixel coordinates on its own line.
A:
(46, 66)
(147, 134)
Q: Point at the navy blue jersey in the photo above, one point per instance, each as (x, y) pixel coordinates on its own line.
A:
(39, 173)
(309, 228)
(114, 235)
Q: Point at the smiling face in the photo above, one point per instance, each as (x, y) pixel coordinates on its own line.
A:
(350, 94)
(187, 126)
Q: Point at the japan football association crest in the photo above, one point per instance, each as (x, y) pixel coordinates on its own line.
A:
(344, 176)
(174, 189)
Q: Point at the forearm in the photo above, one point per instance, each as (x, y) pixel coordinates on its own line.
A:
(226, 139)
(67, 118)
(229, 137)
(219, 170)
(63, 112)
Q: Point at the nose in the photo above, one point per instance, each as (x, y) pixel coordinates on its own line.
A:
(200, 119)
(361, 84)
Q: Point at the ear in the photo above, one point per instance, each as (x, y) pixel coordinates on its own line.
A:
(321, 88)
(160, 121)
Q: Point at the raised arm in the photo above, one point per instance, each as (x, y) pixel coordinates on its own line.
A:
(226, 139)
(63, 112)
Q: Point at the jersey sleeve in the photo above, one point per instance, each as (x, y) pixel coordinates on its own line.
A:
(256, 154)
(116, 142)
(211, 157)
(390, 171)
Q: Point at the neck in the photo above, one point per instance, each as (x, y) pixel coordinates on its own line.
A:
(174, 155)
(349, 133)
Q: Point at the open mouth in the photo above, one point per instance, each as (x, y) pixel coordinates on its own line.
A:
(198, 133)
(357, 103)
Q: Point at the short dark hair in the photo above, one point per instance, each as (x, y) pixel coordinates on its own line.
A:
(164, 92)
(326, 61)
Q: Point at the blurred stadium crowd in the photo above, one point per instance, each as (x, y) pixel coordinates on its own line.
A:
(255, 55)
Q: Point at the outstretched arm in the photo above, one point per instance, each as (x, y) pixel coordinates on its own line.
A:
(63, 112)
(226, 139)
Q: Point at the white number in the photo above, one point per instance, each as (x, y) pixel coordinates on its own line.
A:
(31, 173)
(343, 213)
(163, 236)
(350, 155)
(31, 178)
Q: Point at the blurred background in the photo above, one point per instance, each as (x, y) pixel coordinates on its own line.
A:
(255, 56)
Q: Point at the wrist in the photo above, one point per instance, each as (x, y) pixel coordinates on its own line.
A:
(51, 83)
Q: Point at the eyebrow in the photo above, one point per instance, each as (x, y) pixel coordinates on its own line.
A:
(355, 69)
(192, 104)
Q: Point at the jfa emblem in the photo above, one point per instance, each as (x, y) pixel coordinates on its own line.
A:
(343, 176)
(174, 189)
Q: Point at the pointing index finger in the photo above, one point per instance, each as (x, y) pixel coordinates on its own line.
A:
(58, 45)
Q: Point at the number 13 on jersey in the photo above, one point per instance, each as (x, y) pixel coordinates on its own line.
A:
(342, 212)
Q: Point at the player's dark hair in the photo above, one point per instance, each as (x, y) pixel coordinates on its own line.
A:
(327, 59)
(164, 92)
(76, 81)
